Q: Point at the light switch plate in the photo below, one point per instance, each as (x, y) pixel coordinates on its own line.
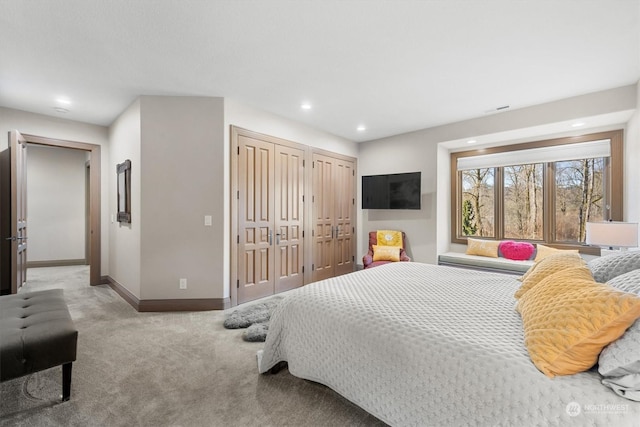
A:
(207, 220)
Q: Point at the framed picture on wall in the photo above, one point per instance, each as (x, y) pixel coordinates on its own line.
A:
(124, 191)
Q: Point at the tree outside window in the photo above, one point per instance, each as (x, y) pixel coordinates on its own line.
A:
(523, 201)
(579, 197)
(478, 196)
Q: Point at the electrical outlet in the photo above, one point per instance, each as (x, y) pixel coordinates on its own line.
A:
(183, 283)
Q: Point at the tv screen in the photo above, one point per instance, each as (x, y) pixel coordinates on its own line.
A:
(392, 191)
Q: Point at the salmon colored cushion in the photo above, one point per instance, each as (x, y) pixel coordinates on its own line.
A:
(568, 319)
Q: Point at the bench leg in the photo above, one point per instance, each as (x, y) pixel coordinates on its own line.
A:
(66, 381)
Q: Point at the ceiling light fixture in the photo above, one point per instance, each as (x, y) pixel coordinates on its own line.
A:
(361, 128)
(61, 110)
(306, 106)
(578, 124)
(64, 101)
(471, 141)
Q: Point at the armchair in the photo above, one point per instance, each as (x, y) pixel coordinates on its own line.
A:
(368, 259)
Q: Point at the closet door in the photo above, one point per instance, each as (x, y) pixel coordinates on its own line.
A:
(333, 216)
(343, 219)
(289, 214)
(323, 217)
(256, 278)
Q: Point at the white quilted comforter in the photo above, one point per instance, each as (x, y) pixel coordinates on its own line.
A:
(417, 344)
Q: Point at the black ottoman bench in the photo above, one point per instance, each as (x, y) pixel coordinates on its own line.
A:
(36, 333)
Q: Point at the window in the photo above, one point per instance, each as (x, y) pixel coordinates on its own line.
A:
(542, 191)
(522, 190)
(580, 196)
(477, 202)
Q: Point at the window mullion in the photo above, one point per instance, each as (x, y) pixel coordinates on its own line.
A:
(549, 205)
(499, 204)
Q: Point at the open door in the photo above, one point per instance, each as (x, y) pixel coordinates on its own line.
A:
(14, 214)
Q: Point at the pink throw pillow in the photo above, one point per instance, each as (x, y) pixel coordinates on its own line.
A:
(518, 251)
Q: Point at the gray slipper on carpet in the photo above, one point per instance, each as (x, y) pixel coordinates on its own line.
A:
(256, 332)
(254, 313)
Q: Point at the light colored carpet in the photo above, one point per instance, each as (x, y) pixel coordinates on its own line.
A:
(162, 369)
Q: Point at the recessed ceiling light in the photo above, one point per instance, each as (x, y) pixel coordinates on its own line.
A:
(361, 128)
(64, 101)
(471, 141)
(306, 106)
(578, 124)
(61, 110)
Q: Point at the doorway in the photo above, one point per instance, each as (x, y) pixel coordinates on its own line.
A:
(94, 236)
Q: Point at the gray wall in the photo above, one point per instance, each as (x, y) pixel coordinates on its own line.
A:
(182, 166)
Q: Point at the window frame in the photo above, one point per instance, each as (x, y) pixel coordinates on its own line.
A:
(614, 171)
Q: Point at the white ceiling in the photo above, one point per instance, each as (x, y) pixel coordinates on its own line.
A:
(393, 66)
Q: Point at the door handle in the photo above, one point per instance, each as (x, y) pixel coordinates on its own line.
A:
(270, 237)
(14, 238)
(277, 238)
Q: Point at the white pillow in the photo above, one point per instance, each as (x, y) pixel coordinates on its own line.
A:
(607, 267)
(619, 362)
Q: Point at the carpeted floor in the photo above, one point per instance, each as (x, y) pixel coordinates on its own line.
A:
(162, 369)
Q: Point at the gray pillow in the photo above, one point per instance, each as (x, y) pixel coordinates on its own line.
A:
(607, 267)
(619, 362)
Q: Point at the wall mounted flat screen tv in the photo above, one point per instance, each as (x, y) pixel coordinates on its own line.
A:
(392, 191)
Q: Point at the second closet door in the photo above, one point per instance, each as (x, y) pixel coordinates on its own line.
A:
(333, 216)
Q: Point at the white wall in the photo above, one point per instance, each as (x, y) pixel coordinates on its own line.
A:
(124, 239)
(239, 114)
(429, 234)
(632, 165)
(56, 203)
(59, 128)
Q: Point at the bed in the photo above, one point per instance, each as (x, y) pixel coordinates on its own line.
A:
(418, 344)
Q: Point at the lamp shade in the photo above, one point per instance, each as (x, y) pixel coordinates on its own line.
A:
(613, 234)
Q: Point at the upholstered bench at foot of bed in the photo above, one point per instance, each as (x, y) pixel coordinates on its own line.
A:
(36, 333)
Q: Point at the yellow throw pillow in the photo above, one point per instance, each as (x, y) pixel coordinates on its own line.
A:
(386, 253)
(569, 318)
(548, 266)
(543, 251)
(479, 247)
(389, 238)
